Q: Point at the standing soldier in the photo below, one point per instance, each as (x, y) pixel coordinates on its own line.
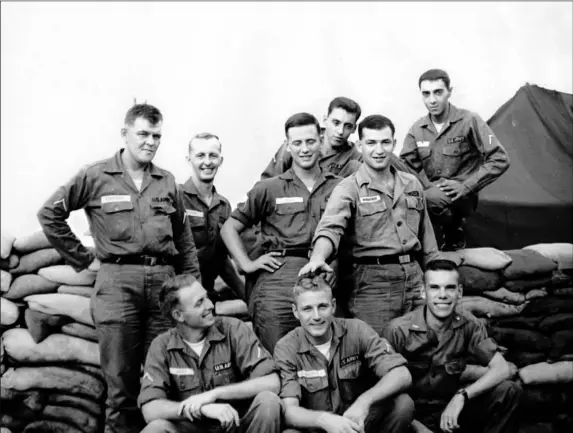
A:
(137, 218)
(207, 211)
(457, 152)
(288, 208)
(383, 213)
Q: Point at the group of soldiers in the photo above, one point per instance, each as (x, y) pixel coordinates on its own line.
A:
(334, 244)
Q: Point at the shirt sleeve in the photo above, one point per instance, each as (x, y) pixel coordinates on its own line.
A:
(155, 381)
(378, 352)
(253, 209)
(495, 155)
(188, 260)
(409, 153)
(481, 347)
(280, 163)
(395, 337)
(338, 212)
(427, 235)
(285, 359)
(251, 358)
(351, 167)
(53, 217)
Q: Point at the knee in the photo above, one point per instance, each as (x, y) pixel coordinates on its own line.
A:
(158, 426)
(268, 403)
(404, 407)
(508, 391)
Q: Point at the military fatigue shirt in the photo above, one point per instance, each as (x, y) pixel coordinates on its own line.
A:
(466, 150)
(123, 220)
(437, 361)
(359, 357)
(287, 211)
(379, 223)
(231, 354)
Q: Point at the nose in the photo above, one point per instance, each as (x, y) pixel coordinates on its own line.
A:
(379, 149)
(442, 292)
(339, 129)
(209, 304)
(315, 314)
(304, 147)
(432, 98)
(150, 140)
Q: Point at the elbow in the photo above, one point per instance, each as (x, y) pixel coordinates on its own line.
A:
(275, 383)
(406, 378)
(149, 412)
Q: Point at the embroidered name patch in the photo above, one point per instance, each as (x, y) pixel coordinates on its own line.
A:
(311, 373)
(115, 198)
(194, 213)
(349, 360)
(459, 139)
(371, 199)
(422, 143)
(414, 193)
(221, 367)
(160, 199)
(181, 371)
(287, 200)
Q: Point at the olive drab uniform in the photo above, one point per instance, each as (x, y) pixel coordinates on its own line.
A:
(436, 363)
(141, 237)
(390, 235)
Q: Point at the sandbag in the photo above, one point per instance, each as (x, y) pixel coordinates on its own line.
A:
(32, 242)
(94, 370)
(29, 284)
(40, 325)
(34, 399)
(556, 322)
(518, 322)
(9, 312)
(525, 284)
(56, 379)
(481, 307)
(522, 340)
(74, 306)
(6, 243)
(527, 263)
(32, 262)
(561, 343)
(562, 278)
(548, 306)
(10, 263)
(85, 291)
(85, 404)
(546, 399)
(504, 295)
(563, 291)
(545, 373)
(65, 274)
(56, 348)
(235, 308)
(84, 421)
(560, 253)
(5, 430)
(475, 280)
(537, 427)
(50, 426)
(5, 280)
(536, 293)
(521, 359)
(486, 258)
(80, 330)
(452, 256)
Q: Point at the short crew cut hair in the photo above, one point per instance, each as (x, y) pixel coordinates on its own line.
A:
(148, 112)
(435, 75)
(310, 282)
(442, 265)
(375, 121)
(168, 297)
(347, 105)
(301, 119)
(205, 136)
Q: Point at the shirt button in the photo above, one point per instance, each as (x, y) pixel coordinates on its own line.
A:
(404, 242)
(399, 223)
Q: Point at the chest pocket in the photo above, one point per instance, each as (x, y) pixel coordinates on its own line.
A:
(224, 377)
(289, 208)
(449, 376)
(186, 385)
(414, 208)
(119, 220)
(351, 385)
(370, 220)
(454, 155)
(160, 220)
(314, 392)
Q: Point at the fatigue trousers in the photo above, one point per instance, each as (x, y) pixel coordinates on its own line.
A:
(393, 415)
(383, 292)
(271, 300)
(263, 415)
(125, 311)
(492, 412)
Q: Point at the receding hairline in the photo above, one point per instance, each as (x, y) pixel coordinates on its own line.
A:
(204, 136)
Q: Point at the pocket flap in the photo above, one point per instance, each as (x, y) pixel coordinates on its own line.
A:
(289, 208)
(414, 203)
(117, 206)
(455, 367)
(456, 149)
(314, 384)
(372, 208)
(163, 208)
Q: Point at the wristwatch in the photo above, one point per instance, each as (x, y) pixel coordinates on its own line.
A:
(464, 393)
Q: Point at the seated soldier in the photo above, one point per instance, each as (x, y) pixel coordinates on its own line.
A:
(207, 374)
(436, 339)
(338, 375)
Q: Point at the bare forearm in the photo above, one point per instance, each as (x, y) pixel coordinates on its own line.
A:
(493, 377)
(248, 388)
(161, 409)
(299, 417)
(322, 249)
(231, 237)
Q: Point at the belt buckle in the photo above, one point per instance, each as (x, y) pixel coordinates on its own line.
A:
(404, 259)
(149, 261)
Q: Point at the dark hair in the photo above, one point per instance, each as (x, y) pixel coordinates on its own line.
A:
(375, 121)
(148, 112)
(168, 297)
(312, 282)
(301, 119)
(347, 105)
(442, 265)
(435, 75)
(205, 136)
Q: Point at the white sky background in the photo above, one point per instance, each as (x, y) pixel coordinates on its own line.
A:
(70, 71)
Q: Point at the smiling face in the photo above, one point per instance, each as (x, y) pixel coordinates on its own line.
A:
(315, 311)
(303, 143)
(142, 139)
(194, 308)
(205, 158)
(442, 293)
(376, 147)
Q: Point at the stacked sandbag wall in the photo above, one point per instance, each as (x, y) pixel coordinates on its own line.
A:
(51, 380)
(525, 297)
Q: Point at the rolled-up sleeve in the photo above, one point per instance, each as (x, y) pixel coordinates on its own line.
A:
(378, 353)
(481, 347)
(252, 359)
(253, 209)
(280, 163)
(155, 381)
(285, 359)
(338, 212)
(409, 153)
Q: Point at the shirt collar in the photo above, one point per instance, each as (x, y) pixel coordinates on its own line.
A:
(115, 165)
(290, 175)
(418, 322)
(190, 188)
(454, 115)
(176, 340)
(338, 331)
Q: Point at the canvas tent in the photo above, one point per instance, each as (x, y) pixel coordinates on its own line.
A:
(532, 202)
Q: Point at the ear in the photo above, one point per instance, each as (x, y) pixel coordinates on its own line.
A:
(359, 145)
(294, 311)
(287, 147)
(123, 132)
(221, 163)
(324, 118)
(461, 290)
(334, 304)
(176, 314)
